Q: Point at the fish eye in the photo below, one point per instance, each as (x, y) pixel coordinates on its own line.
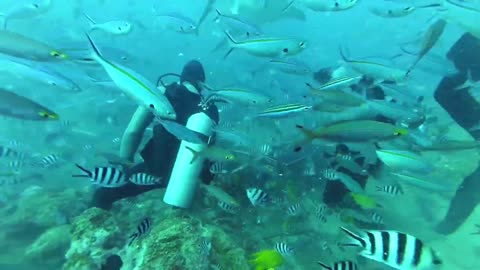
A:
(151, 106)
(397, 133)
(120, 28)
(389, 12)
(337, 4)
(43, 114)
(53, 83)
(301, 44)
(285, 50)
(35, 5)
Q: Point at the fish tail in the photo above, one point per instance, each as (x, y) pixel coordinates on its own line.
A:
(309, 136)
(95, 51)
(324, 265)
(194, 153)
(356, 240)
(342, 53)
(219, 15)
(87, 172)
(132, 238)
(308, 133)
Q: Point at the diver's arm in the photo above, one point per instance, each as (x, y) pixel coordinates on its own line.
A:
(132, 137)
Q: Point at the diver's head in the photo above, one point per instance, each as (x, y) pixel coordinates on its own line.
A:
(194, 74)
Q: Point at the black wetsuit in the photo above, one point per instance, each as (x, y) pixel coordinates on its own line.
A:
(160, 152)
(463, 108)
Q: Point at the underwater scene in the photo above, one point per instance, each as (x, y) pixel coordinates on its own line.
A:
(239, 134)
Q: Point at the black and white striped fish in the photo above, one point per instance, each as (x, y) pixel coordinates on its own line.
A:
(16, 165)
(342, 265)
(329, 174)
(266, 149)
(393, 190)
(144, 179)
(87, 147)
(257, 196)
(227, 207)
(283, 248)
(142, 229)
(395, 249)
(218, 168)
(293, 209)
(104, 176)
(49, 161)
(116, 140)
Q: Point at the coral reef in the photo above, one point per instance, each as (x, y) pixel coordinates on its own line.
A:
(174, 241)
(95, 237)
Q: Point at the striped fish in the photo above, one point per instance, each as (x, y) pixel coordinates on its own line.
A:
(283, 248)
(342, 265)
(144, 179)
(142, 229)
(284, 110)
(16, 165)
(49, 161)
(395, 249)
(104, 176)
(329, 174)
(337, 84)
(257, 196)
(393, 190)
(227, 207)
(266, 149)
(116, 140)
(293, 209)
(218, 168)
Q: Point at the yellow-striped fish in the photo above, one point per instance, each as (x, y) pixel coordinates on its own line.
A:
(284, 110)
(135, 85)
(24, 47)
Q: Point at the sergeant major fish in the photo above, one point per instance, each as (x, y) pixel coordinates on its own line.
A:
(109, 177)
(142, 229)
(395, 249)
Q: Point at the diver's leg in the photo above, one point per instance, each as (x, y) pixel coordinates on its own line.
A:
(462, 205)
(132, 137)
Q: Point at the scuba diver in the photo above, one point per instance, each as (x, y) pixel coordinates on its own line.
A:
(160, 152)
(465, 111)
(463, 108)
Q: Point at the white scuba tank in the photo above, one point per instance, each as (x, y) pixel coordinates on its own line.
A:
(184, 179)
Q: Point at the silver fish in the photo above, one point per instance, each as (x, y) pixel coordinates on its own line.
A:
(183, 133)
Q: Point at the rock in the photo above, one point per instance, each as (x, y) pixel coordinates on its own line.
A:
(50, 247)
(95, 237)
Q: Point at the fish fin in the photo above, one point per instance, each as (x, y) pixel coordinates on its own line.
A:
(342, 54)
(230, 38)
(219, 14)
(194, 153)
(288, 6)
(324, 265)
(132, 238)
(356, 240)
(228, 53)
(95, 51)
(90, 20)
(88, 173)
